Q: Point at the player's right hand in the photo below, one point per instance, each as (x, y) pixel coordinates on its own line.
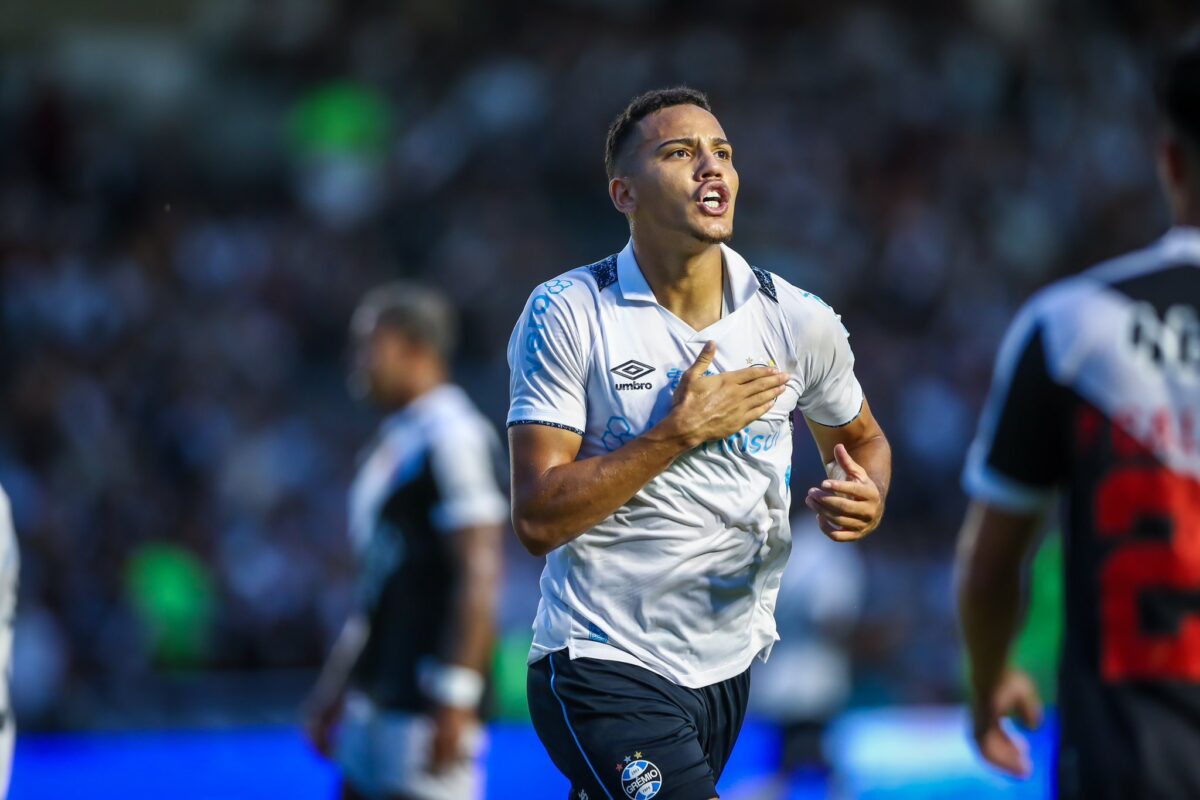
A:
(1015, 695)
(708, 407)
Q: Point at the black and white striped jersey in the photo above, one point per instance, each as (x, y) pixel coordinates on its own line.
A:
(430, 471)
(1096, 396)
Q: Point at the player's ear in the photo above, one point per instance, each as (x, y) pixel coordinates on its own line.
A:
(623, 195)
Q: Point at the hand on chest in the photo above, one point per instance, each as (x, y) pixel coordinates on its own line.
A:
(634, 375)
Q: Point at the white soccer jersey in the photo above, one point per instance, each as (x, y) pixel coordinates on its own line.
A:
(443, 434)
(682, 579)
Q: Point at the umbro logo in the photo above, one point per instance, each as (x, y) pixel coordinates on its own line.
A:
(632, 370)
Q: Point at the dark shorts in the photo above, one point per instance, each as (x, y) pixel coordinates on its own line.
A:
(620, 732)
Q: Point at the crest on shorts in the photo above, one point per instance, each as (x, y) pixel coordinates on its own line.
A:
(640, 778)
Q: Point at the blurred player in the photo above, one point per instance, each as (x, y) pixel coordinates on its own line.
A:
(1097, 393)
(406, 675)
(9, 562)
(650, 428)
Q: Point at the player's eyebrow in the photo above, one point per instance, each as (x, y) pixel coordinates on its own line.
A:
(693, 141)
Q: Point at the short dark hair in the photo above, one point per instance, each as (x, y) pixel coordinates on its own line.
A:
(640, 107)
(1177, 88)
(412, 309)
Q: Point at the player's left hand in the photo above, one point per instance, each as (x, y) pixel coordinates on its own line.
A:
(450, 726)
(846, 509)
(1017, 695)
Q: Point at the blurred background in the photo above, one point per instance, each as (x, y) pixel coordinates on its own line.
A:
(194, 194)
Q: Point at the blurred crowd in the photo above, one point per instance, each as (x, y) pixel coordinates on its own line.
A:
(188, 213)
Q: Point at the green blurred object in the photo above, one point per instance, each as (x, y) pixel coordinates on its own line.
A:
(172, 591)
(509, 670)
(341, 118)
(1038, 646)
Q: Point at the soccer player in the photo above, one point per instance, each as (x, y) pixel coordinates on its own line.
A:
(1097, 394)
(650, 430)
(406, 675)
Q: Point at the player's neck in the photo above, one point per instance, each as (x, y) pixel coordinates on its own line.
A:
(688, 284)
(1183, 198)
(1188, 216)
(421, 383)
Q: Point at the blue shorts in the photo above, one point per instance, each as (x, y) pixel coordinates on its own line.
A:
(620, 732)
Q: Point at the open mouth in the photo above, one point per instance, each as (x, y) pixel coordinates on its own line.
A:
(714, 200)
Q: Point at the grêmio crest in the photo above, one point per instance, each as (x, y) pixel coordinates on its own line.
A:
(640, 779)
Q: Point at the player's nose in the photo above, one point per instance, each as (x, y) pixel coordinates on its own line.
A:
(709, 166)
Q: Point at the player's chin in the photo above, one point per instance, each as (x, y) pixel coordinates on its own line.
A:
(714, 231)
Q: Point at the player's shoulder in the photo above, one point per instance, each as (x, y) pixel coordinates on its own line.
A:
(567, 305)
(1065, 298)
(801, 307)
(452, 404)
(453, 416)
(580, 284)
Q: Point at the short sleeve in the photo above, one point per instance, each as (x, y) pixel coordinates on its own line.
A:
(832, 395)
(464, 464)
(1017, 458)
(546, 361)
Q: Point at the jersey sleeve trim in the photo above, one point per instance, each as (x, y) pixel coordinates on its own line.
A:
(984, 484)
(861, 402)
(546, 423)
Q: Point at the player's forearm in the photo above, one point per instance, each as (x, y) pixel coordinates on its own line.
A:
(991, 590)
(569, 499)
(335, 673)
(472, 625)
(989, 608)
(989, 612)
(875, 456)
(476, 632)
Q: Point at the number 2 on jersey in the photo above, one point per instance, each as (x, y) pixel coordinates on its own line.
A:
(1126, 498)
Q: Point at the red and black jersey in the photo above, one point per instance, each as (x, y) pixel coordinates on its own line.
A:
(1096, 398)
